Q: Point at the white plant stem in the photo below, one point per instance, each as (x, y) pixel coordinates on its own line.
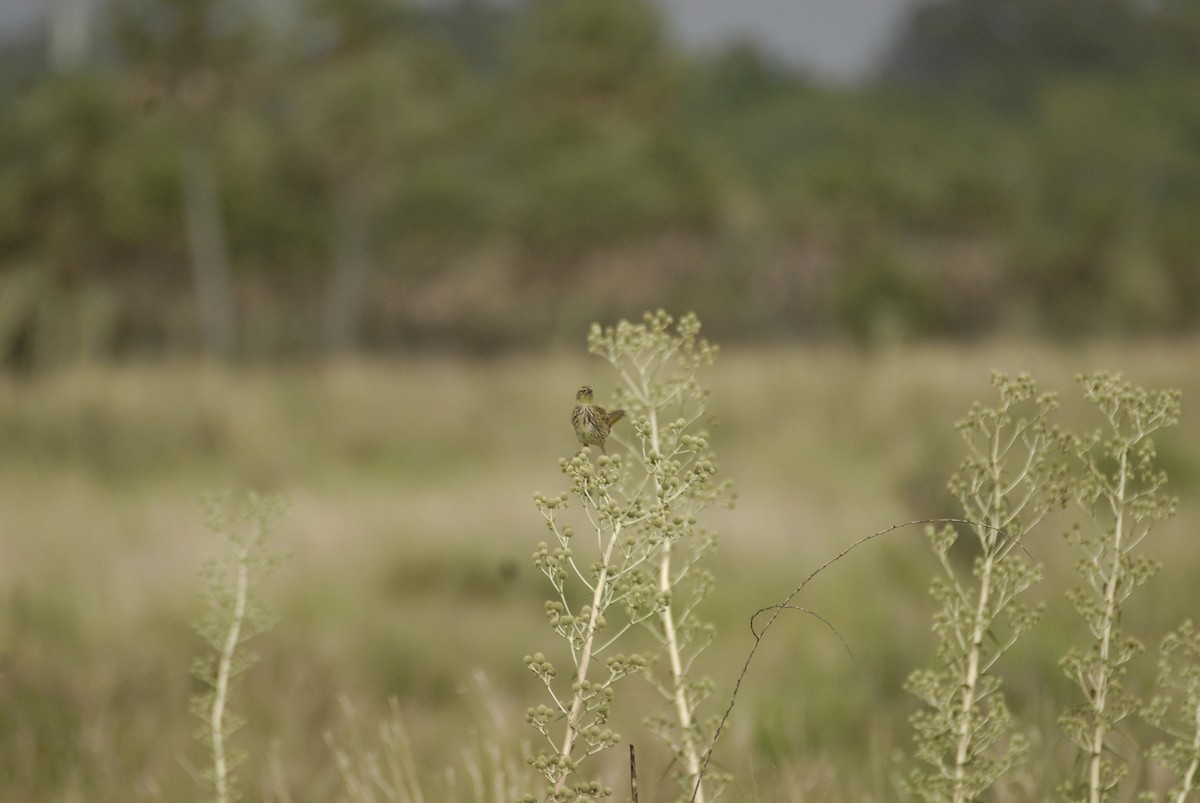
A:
(1189, 778)
(225, 672)
(683, 711)
(1100, 728)
(585, 655)
(979, 630)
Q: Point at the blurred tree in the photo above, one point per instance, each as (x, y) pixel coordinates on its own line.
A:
(55, 149)
(1000, 51)
(607, 59)
(383, 97)
(1112, 173)
(196, 56)
(879, 301)
(595, 133)
(506, 173)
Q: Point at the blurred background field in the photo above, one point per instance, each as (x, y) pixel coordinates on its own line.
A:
(348, 250)
(410, 535)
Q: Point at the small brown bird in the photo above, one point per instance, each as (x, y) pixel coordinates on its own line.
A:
(591, 421)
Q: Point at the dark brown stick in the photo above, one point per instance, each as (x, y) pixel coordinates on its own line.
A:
(633, 773)
(779, 608)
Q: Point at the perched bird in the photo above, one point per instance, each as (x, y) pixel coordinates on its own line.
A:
(591, 421)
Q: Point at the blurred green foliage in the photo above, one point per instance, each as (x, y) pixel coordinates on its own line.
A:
(478, 178)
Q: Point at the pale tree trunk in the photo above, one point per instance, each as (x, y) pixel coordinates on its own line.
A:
(206, 241)
(345, 302)
(68, 34)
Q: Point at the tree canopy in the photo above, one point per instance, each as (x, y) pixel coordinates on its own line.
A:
(371, 175)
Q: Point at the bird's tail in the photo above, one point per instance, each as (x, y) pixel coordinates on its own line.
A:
(615, 416)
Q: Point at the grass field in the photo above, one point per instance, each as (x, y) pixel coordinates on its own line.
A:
(411, 483)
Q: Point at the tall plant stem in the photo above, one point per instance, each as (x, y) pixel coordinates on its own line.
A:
(224, 672)
(1100, 728)
(585, 654)
(679, 696)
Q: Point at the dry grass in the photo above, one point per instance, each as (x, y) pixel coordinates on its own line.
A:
(412, 523)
